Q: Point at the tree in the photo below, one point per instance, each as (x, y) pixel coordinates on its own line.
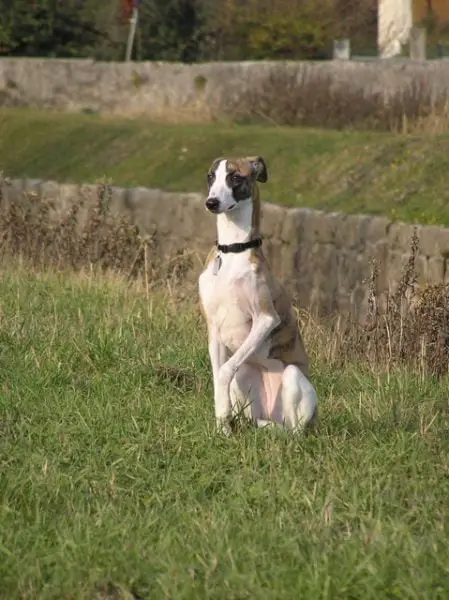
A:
(48, 28)
(170, 30)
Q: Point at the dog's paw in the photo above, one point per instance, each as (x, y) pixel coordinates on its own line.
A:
(223, 427)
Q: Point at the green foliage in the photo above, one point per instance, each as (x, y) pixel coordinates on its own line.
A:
(170, 30)
(47, 28)
(280, 31)
(282, 38)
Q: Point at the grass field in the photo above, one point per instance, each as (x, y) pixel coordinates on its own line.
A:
(402, 177)
(114, 485)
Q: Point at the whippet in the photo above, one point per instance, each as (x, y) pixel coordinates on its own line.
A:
(259, 363)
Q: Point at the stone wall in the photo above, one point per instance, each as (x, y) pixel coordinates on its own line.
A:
(322, 257)
(176, 91)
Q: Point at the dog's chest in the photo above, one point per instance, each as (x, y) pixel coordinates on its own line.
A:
(225, 281)
(225, 293)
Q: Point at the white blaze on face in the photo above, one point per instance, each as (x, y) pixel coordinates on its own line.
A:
(221, 190)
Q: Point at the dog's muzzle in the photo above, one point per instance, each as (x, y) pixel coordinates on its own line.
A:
(213, 204)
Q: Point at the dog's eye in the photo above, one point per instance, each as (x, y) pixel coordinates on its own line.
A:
(236, 179)
(210, 178)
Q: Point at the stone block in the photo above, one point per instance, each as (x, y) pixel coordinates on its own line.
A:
(421, 269)
(50, 193)
(195, 222)
(327, 227)
(351, 231)
(312, 226)
(272, 220)
(434, 241)
(446, 271)
(13, 192)
(167, 217)
(69, 194)
(50, 190)
(32, 186)
(339, 237)
(400, 236)
(429, 270)
(352, 269)
(435, 269)
(287, 261)
(275, 252)
(117, 201)
(359, 302)
(295, 226)
(394, 268)
(377, 229)
(88, 195)
(145, 206)
(323, 267)
(87, 199)
(379, 252)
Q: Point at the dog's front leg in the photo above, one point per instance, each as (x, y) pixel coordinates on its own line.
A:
(263, 325)
(222, 400)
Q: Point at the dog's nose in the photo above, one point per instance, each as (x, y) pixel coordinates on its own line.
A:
(212, 204)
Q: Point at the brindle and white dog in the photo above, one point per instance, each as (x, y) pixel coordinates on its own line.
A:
(258, 358)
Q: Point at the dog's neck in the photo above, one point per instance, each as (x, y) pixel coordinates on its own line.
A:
(240, 225)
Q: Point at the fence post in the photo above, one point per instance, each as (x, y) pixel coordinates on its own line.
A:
(132, 31)
(418, 43)
(342, 50)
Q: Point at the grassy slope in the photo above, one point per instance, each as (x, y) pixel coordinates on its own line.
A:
(110, 475)
(401, 177)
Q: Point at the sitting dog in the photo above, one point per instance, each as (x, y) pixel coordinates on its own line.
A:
(258, 359)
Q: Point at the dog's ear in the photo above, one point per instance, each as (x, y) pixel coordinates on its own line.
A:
(259, 168)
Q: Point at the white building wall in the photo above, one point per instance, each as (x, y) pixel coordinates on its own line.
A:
(394, 24)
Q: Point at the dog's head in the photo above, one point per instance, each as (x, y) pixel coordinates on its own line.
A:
(232, 181)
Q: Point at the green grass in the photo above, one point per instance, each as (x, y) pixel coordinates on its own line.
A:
(111, 477)
(402, 177)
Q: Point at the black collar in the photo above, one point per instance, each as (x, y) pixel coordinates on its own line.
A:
(239, 247)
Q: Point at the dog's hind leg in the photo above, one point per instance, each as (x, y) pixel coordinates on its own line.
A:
(246, 393)
(299, 400)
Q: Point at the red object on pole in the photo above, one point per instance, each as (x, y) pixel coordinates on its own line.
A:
(128, 6)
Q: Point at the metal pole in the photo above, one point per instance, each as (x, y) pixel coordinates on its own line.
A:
(132, 32)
